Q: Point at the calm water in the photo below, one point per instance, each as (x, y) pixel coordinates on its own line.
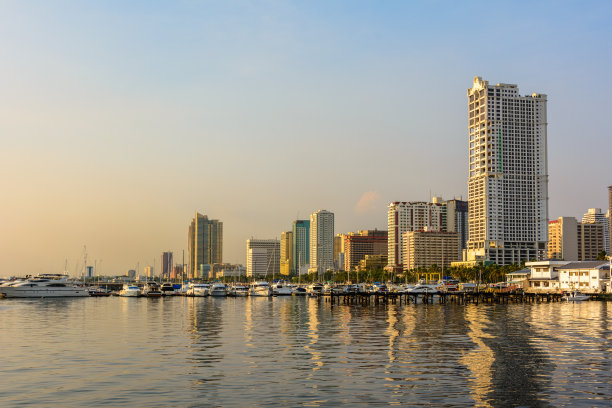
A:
(300, 352)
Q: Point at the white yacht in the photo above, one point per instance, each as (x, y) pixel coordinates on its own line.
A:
(260, 288)
(218, 289)
(198, 289)
(314, 289)
(151, 289)
(167, 289)
(129, 290)
(239, 291)
(281, 289)
(299, 291)
(424, 288)
(44, 285)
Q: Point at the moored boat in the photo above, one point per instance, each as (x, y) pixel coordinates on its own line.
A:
(218, 289)
(167, 289)
(261, 288)
(281, 289)
(239, 291)
(198, 289)
(129, 290)
(97, 291)
(299, 291)
(151, 289)
(423, 288)
(44, 285)
(314, 289)
(576, 296)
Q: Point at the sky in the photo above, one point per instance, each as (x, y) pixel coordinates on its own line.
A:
(119, 120)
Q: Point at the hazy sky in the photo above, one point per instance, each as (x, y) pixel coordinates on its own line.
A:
(119, 120)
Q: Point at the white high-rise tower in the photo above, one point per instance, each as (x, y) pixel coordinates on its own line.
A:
(322, 241)
(508, 174)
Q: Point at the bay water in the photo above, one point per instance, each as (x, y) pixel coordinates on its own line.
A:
(294, 351)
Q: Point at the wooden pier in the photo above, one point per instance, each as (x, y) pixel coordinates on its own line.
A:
(461, 298)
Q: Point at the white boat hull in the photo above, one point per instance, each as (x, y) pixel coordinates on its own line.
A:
(129, 293)
(284, 291)
(260, 292)
(197, 293)
(577, 298)
(38, 292)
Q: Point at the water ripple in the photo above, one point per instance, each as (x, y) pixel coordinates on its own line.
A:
(301, 352)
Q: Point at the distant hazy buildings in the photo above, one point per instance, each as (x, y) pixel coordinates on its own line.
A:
(373, 262)
(149, 271)
(263, 257)
(177, 272)
(595, 215)
(205, 242)
(339, 252)
(361, 244)
(570, 240)
(301, 244)
(230, 270)
(321, 241)
(427, 248)
(457, 220)
(166, 265)
(508, 174)
(286, 253)
(405, 216)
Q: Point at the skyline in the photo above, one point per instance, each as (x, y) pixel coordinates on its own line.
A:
(119, 122)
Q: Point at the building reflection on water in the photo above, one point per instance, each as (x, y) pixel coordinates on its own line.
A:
(205, 352)
(313, 336)
(479, 359)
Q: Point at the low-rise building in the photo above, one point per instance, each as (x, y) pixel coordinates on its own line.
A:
(519, 278)
(591, 276)
(544, 275)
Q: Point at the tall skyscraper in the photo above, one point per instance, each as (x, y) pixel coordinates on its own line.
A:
(166, 265)
(301, 244)
(286, 252)
(205, 243)
(321, 241)
(595, 215)
(610, 218)
(508, 174)
(411, 216)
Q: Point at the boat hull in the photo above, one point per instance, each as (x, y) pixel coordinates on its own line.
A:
(40, 292)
